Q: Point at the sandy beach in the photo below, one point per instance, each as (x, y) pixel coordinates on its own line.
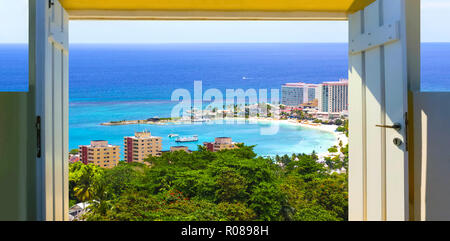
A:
(329, 128)
(306, 124)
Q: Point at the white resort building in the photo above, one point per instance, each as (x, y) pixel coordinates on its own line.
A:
(295, 94)
(333, 96)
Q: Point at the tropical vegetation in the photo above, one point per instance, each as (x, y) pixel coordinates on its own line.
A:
(230, 185)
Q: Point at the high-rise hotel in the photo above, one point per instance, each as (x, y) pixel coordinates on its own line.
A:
(295, 94)
(140, 146)
(333, 96)
(100, 153)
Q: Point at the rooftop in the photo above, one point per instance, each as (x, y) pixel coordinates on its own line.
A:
(340, 82)
(99, 143)
(300, 84)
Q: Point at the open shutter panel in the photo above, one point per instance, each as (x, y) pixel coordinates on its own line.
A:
(52, 107)
(378, 181)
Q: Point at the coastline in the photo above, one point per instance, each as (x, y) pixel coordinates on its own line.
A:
(339, 136)
(305, 124)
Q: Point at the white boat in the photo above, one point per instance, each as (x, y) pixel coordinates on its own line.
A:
(173, 135)
(187, 139)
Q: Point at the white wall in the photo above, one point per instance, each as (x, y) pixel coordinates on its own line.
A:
(431, 156)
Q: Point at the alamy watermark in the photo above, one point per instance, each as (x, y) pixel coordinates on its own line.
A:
(237, 106)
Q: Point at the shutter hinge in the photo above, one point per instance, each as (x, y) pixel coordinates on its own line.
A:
(51, 3)
(38, 133)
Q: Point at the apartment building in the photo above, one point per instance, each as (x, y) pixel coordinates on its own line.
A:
(100, 153)
(333, 96)
(141, 145)
(220, 143)
(179, 148)
(295, 94)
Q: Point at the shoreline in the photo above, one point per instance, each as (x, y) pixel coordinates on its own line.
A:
(340, 136)
(253, 120)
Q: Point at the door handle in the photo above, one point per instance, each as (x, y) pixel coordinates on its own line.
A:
(396, 126)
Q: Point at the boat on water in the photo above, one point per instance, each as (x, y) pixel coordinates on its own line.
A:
(187, 139)
(173, 135)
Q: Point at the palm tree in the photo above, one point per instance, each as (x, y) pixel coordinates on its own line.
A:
(84, 193)
(84, 190)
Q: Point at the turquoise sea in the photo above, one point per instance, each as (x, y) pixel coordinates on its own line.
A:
(117, 82)
(141, 79)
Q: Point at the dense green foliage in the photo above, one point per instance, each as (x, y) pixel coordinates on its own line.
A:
(227, 185)
(343, 128)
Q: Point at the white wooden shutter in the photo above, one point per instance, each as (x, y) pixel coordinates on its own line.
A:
(52, 49)
(378, 168)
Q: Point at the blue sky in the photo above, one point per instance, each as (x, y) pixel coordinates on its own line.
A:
(14, 24)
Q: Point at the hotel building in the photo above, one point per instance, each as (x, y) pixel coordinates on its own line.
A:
(100, 153)
(140, 146)
(295, 94)
(333, 96)
(220, 143)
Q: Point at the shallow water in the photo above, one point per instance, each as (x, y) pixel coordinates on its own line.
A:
(289, 138)
(118, 82)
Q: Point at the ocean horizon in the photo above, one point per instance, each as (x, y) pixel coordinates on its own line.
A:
(128, 82)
